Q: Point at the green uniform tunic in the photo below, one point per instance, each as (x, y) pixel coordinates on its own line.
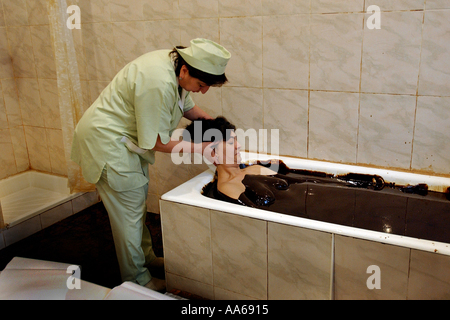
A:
(140, 103)
(112, 144)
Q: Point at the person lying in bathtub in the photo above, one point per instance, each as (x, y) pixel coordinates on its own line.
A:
(254, 185)
(230, 178)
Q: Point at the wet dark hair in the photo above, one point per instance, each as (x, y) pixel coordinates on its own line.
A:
(209, 79)
(203, 130)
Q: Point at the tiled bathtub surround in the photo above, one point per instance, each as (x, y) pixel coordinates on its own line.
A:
(336, 90)
(216, 249)
(218, 255)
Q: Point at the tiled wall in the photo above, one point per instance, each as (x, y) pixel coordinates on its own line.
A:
(337, 90)
(218, 256)
(30, 126)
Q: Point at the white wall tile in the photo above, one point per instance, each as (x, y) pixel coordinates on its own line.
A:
(333, 126)
(287, 111)
(286, 51)
(243, 38)
(431, 148)
(335, 47)
(435, 65)
(386, 130)
(391, 55)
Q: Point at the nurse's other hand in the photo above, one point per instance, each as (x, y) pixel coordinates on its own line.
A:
(208, 152)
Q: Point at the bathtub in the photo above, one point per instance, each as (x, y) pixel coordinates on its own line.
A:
(220, 250)
(32, 200)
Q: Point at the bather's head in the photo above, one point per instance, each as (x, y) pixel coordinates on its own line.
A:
(221, 133)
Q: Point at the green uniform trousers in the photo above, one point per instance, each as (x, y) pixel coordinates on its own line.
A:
(127, 211)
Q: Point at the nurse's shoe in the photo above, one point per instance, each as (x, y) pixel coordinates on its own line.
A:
(158, 263)
(156, 285)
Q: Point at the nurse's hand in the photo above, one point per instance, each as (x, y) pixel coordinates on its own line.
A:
(209, 153)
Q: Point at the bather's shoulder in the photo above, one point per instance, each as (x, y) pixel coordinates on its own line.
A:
(258, 170)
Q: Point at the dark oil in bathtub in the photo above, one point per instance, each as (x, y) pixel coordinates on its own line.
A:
(413, 212)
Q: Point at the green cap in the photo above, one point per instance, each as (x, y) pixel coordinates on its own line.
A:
(206, 55)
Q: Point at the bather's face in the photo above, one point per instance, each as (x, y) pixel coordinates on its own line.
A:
(228, 152)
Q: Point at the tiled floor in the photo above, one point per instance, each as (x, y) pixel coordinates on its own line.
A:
(84, 239)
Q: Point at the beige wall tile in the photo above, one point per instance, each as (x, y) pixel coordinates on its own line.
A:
(211, 102)
(236, 8)
(30, 102)
(401, 4)
(437, 4)
(21, 50)
(243, 107)
(333, 126)
(37, 12)
(93, 11)
(156, 9)
(430, 150)
(199, 28)
(6, 70)
(56, 151)
(286, 51)
(299, 263)
(38, 148)
(48, 89)
(335, 47)
(16, 13)
(128, 41)
(239, 246)
(434, 76)
(386, 130)
(8, 165)
(187, 285)
(20, 148)
(168, 174)
(12, 105)
(286, 7)
(43, 52)
(126, 10)
(243, 38)
(391, 55)
(199, 8)
(329, 6)
(161, 35)
(287, 111)
(352, 259)
(429, 277)
(99, 48)
(187, 241)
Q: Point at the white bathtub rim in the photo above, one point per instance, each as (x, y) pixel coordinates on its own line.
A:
(435, 183)
(189, 193)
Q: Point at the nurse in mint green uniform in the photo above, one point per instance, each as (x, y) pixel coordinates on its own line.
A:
(134, 117)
